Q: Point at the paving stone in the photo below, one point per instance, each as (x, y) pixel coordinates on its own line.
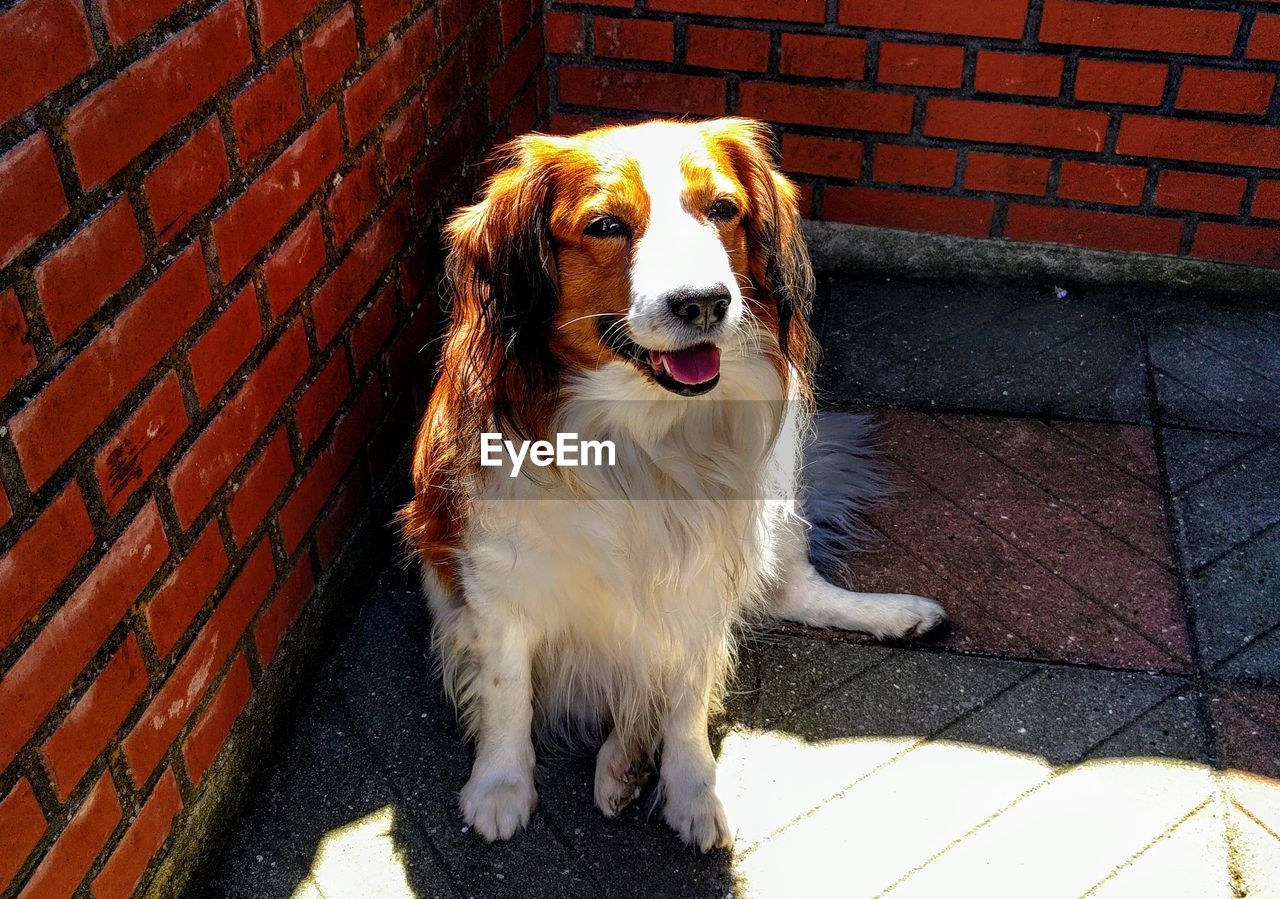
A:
(1230, 506)
(1254, 854)
(1247, 725)
(1197, 386)
(794, 671)
(1128, 446)
(1185, 863)
(1191, 455)
(1244, 333)
(1259, 662)
(1174, 729)
(1235, 598)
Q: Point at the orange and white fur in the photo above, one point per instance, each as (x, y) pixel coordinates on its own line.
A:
(648, 285)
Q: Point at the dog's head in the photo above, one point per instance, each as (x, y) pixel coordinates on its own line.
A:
(656, 247)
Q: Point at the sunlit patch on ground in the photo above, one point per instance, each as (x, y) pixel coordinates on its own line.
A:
(359, 859)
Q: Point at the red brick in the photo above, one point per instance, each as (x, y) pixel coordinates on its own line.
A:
(185, 592)
(457, 15)
(386, 81)
(141, 842)
(380, 16)
(644, 91)
(1098, 182)
(823, 56)
(46, 44)
(521, 63)
(57, 421)
(169, 710)
(927, 166)
(1266, 200)
(1109, 81)
(1029, 74)
(634, 38)
(1002, 173)
(1200, 193)
(1264, 40)
(225, 346)
(1128, 26)
(201, 746)
(724, 48)
(372, 330)
(17, 357)
(36, 564)
(1010, 123)
(482, 49)
(913, 212)
(821, 156)
(6, 510)
(1237, 243)
(514, 15)
(362, 267)
(322, 399)
(265, 110)
(200, 473)
(831, 107)
(565, 33)
(187, 180)
(329, 51)
(279, 17)
(118, 121)
(1198, 141)
(1100, 230)
(326, 472)
(94, 719)
(997, 18)
(128, 458)
(126, 19)
(292, 267)
(446, 89)
(1220, 90)
(94, 263)
(405, 137)
(21, 827)
(283, 610)
(780, 10)
(335, 528)
(45, 671)
(260, 487)
(354, 197)
(276, 194)
(30, 195)
(920, 64)
(71, 857)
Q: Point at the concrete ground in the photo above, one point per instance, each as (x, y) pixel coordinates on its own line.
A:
(1090, 483)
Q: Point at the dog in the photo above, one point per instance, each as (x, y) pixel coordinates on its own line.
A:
(648, 284)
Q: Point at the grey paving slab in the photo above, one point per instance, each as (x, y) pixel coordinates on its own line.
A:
(1198, 385)
(1230, 506)
(1174, 729)
(799, 669)
(1191, 455)
(1257, 663)
(1237, 598)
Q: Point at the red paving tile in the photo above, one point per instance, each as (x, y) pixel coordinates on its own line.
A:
(1247, 725)
(1019, 563)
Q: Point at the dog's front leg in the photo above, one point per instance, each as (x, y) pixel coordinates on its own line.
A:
(688, 775)
(500, 796)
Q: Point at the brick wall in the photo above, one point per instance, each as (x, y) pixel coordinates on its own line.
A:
(216, 261)
(1151, 127)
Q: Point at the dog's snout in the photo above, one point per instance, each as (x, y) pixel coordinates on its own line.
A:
(702, 308)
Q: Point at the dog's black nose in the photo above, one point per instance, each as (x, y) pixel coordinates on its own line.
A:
(701, 308)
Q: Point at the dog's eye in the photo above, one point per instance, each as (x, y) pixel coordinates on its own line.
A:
(722, 211)
(607, 226)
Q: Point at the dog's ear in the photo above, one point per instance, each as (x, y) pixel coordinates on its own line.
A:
(778, 256)
(505, 286)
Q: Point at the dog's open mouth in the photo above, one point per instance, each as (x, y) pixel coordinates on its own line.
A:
(690, 371)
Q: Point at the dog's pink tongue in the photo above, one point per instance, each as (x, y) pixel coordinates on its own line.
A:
(695, 365)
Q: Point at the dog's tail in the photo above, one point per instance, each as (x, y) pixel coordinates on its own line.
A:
(841, 480)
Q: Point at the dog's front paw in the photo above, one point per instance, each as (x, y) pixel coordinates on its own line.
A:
(698, 816)
(498, 805)
(904, 615)
(619, 777)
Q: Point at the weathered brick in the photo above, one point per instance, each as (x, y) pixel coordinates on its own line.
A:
(926, 166)
(17, 357)
(142, 841)
(21, 826)
(127, 459)
(205, 467)
(335, 527)
(1100, 230)
(1129, 26)
(46, 44)
(189, 586)
(917, 212)
(1223, 90)
(1012, 123)
(446, 90)
(1198, 141)
(94, 263)
(279, 17)
(781, 10)
(322, 399)
(94, 719)
(722, 48)
(830, 107)
(54, 424)
(1029, 74)
(822, 156)
(186, 180)
(380, 16)
(369, 98)
(126, 19)
(633, 38)
(1099, 182)
(227, 343)
(1112, 81)
(923, 65)
(126, 115)
(292, 267)
(353, 279)
(404, 139)
(30, 194)
(255, 217)
(997, 18)
(565, 33)
(644, 91)
(45, 671)
(1264, 40)
(265, 110)
(355, 196)
(329, 51)
(170, 708)
(41, 557)
(515, 72)
(260, 487)
(69, 859)
(283, 610)
(823, 56)
(201, 746)
(372, 330)
(1200, 193)
(1266, 200)
(1002, 173)
(1237, 243)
